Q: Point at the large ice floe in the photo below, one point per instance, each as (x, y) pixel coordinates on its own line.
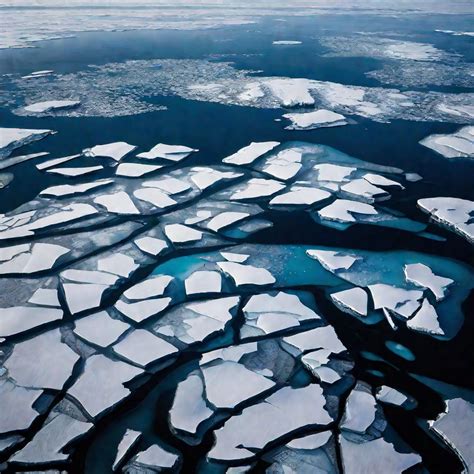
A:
(105, 91)
(142, 292)
(454, 213)
(456, 145)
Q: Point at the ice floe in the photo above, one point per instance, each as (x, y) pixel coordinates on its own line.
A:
(100, 329)
(456, 145)
(316, 119)
(51, 106)
(455, 427)
(11, 138)
(136, 170)
(453, 213)
(189, 408)
(280, 414)
(19, 319)
(48, 445)
(143, 348)
(246, 274)
(102, 384)
(116, 150)
(154, 459)
(248, 154)
(129, 440)
(168, 152)
(422, 275)
(74, 172)
(203, 282)
(286, 42)
(42, 362)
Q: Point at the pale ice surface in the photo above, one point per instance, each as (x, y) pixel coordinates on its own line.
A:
(285, 411)
(456, 145)
(453, 213)
(51, 106)
(116, 150)
(168, 152)
(250, 153)
(317, 119)
(11, 138)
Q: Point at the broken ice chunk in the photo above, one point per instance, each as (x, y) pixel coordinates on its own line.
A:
(118, 264)
(286, 42)
(158, 198)
(455, 427)
(229, 383)
(129, 440)
(203, 282)
(151, 245)
(363, 190)
(291, 92)
(168, 152)
(379, 180)
(189, 408)
(73, 189)
(300, 195)
(42, 362)
(101, 385)
(17, 411)
(135, 170)
(456, 145)
(100, 329)
(47, 446)
(247, 274)
(204, 178)
(234, 257)
(154, 459)
(250, 153)
(331, 172)
(11, 138)
(225, 219)
(51, 106)
(56, 161)
(319, 338)
(353, 301)
(180, 234)
(149, 288)
(142, 310)
(359, 413)
(118, 203)
(454, 213)
(284, 165)
(399, 300)
(267, 313)
(422, 275)
(342, 210)
(45, 297)
(143, 348)
(392, 396)
(74, 172)
(41, 257)
(280, 414)
(315, 119)
(169, 185)
(116, 150)
(18, 319)
(377, 455)
(82, 296)
(426, 320)
(257, 188)
(333, 260)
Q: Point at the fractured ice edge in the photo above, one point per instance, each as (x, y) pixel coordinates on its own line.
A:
(118, 88)
(95, 303)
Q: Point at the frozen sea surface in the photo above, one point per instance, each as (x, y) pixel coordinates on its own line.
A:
(202, 270)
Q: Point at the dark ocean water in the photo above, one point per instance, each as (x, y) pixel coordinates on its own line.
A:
(219, 130)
